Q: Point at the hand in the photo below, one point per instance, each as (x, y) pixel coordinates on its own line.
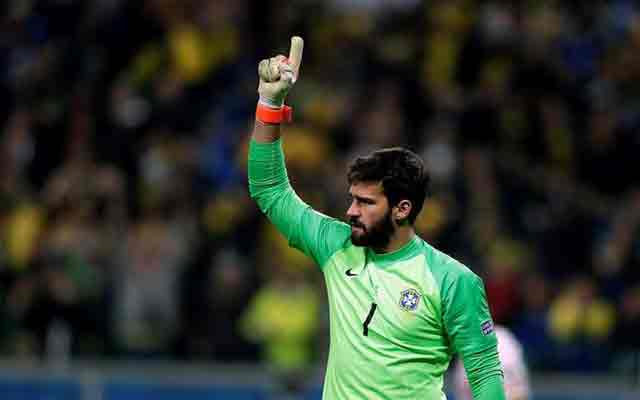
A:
(278, 74)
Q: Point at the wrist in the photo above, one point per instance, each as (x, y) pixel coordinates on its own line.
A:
(267, 114)
(271, 102)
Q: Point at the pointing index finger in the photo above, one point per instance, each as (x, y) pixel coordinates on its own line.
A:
(295, 55)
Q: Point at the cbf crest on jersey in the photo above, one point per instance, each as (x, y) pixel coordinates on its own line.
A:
(409, 299)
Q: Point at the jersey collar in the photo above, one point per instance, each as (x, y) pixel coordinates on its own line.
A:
(405, 252)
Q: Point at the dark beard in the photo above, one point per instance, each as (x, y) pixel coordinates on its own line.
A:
(376, 236)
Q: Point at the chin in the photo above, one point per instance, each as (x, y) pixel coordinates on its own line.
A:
(359, 240)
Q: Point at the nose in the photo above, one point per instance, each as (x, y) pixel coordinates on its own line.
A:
(353, 211)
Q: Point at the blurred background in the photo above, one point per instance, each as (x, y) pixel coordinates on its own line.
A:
(134, 265)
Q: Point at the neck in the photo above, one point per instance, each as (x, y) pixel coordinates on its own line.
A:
(399, 238)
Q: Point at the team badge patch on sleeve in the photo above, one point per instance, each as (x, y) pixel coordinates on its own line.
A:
(487, 327)
(409, 299)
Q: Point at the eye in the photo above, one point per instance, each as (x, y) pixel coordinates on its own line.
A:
(364, 200)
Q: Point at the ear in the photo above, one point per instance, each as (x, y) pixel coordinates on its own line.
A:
(402, 210)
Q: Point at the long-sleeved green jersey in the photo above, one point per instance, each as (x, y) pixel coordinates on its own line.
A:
(396, 319)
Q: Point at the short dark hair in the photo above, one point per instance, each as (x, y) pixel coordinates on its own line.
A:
(401, 173)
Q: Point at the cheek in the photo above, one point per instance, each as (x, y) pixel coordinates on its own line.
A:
(372, 216)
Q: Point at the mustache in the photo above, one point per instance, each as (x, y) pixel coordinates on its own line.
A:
(356, 223)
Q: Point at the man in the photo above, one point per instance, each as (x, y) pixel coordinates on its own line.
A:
(516, 376)
(399, 309)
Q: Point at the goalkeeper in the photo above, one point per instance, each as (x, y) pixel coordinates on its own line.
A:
(399, 308)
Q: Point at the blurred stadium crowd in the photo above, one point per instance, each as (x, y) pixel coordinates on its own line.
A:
(126, 227)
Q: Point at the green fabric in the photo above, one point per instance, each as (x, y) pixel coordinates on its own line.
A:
(315, 234)
(427, 305)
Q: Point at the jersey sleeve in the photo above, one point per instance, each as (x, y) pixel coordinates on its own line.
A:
(470, 327)
(313, 233)
(516, 380)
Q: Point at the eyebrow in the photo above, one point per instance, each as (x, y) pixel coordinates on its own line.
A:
(363, 199)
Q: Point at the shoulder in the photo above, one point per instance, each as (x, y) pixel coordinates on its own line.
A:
(346, 253)
(326, 228)
(447, 270)
(338, 234)
(343, 229)
(338, 227)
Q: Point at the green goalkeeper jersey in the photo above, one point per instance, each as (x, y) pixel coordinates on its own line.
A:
(396, 319)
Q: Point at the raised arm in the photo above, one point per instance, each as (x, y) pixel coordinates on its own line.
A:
(313, 233)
